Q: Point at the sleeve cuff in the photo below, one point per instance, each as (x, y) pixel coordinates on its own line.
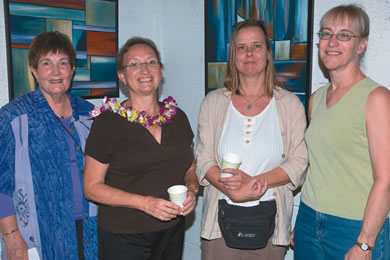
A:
(6, 205)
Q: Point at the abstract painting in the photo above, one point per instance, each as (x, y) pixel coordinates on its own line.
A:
(289, 24)
(92, 25)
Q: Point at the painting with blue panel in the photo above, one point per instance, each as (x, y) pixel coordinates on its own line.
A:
(23, 25)
(20, 72)
(265, 10)
(103, 68)
(45, 12)
(79, 22)
(300, 21)
(302, 98)
(81, 60)
(64, 26)
(26, 20)
(82, 75)
(96, 13)
(94, 28)
(79, 39)
(82, 64)
(216, 45)
(273, 49)
(292, 75)
(80, 92)
(283, 20)
(93, 85)
(22, 39)
(109, 93)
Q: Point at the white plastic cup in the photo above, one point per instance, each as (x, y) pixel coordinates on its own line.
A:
(177, 194)
(230, 160)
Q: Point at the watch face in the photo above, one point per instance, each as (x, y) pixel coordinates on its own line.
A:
(364, 246)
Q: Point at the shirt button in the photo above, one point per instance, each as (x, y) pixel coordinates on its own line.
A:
(248, 125)
(87, 241)
(82, 171)
(274, 193)
(71, 127)
(249, 120)
(248, 133)
(86, 217)
(247, 141)
(283, 156)
(78, 147)
(283, 133)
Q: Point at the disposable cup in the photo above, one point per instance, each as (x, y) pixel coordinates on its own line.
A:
(230, 160)
(177, 194)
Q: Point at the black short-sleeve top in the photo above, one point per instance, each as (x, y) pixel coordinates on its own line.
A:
(139, 164)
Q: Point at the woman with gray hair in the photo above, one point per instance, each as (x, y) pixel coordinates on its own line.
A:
(42, 137)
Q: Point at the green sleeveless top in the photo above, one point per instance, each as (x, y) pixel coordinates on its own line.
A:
(339, 177)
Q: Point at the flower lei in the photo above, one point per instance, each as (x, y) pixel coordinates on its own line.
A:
(165, 116)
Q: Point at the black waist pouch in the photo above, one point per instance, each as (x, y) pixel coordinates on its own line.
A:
(247, 227)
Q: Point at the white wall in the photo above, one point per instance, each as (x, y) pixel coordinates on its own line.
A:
(177, 27)
(376, 61)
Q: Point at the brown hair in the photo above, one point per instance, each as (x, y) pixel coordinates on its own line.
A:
(131, 42)
(232, 79)
(51, 42)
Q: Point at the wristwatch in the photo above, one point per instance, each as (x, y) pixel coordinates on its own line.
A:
(364, 246)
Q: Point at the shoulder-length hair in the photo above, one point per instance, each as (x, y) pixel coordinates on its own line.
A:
(232, 79)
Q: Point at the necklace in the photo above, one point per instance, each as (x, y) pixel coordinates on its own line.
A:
(165, 116)
(249, 107)
(67, 131)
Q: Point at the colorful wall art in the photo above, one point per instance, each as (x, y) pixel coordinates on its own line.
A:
(92, 25)
(289, 23)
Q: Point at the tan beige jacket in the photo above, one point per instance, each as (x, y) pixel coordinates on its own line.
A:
(294, 160)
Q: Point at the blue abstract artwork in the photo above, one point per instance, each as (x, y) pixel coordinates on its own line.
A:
(90, 24)
(289, 26)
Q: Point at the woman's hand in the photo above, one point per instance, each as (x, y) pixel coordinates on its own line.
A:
(292, 242)
(16, 248)
(249, 191)
(159, 208)
(189, 203)
(355, 253)
(235, 182)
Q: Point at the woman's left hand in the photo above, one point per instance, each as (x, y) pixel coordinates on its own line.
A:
(355, 253)
(189, 203)
(253, 190)
(235, 182)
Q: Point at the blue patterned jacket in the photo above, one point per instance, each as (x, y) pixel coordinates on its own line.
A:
(35, 171)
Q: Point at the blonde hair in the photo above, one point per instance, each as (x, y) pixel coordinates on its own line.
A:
(354, 14)
(232, 79)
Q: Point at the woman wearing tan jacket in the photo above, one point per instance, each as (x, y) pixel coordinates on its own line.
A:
(264, 125)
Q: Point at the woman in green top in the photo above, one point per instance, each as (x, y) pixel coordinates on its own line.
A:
(346, 195)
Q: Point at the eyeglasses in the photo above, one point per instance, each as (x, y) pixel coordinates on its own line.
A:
(341, 36)
(136, 65)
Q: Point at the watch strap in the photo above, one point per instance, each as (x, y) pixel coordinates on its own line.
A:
(364, 246)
